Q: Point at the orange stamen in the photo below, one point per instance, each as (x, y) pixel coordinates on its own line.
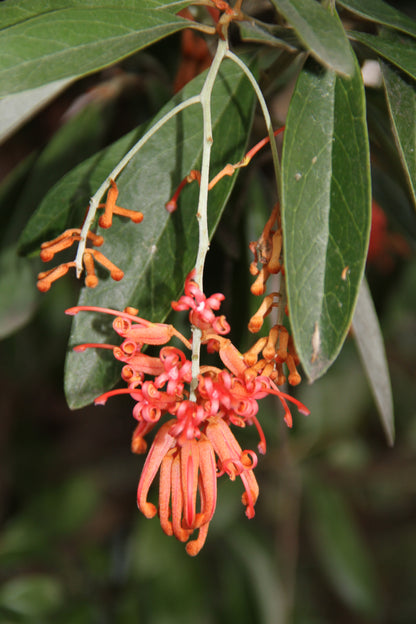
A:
(273, 265)
(281, 377)
(106, 219)
(251, 356)
(91, 280)
(46, 278)
(257, 320)
(116, 273)
(281, 354)
(50, 250)
(229, 169)
(172, 204)
(294, 378)
(270, 349)
(259, 286)
(133, 215)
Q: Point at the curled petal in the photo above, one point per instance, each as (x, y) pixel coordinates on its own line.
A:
(177, 501)
(220, 325)
(138, 443)
(251, 494)
(207, 482)
(194, 546)
(164, 492)
(162, 443)
(262, 444)
(249, 459)
(189, 477)
(225, 446)
(151, 413)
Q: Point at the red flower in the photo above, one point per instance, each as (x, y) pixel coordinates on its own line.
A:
(196, 445)
(201, 314)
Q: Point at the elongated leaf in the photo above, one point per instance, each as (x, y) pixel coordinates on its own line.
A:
(157, 254)
(401, 99)
(16, 11)
(18, 296)
(370, 345)
(263, 34)
(381, 13)
(16, 109)
(341, 550)
(320, 31)
(326, 212)
(259, 564)
(62, 39)
(399, 50)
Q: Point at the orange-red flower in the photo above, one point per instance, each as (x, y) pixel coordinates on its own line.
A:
(195, 445)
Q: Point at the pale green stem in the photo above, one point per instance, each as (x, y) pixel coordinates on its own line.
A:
(95, 199)
(275, 156)
(202, 211)
(266, 114)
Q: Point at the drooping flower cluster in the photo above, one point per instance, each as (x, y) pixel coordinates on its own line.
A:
(195, 445)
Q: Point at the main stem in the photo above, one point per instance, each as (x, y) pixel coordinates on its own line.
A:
(202, 211)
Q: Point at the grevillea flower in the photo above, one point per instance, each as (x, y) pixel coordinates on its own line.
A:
(195, 445)
(201, 308)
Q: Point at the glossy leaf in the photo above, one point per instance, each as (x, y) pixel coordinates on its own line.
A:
(341, 550)
(157, 254)
(401, 100)
(399, 49)
(54, 40)
(381, 13)
(325, 211)
(16, 109)
(370, 346)
(320, 31)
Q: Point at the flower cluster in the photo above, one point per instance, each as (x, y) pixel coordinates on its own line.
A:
(195, 445)
(90, 255)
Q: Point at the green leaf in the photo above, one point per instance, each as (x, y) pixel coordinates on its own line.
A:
(341, 550)
(54, 40)
(320, 31)
(326, 211)
(258, 562)
(398, 49)
(32, 595)
(18, 295)
(381, 13)
(401, 100)
(16, 109)
(157, 254)
(370, 346)
(260, 33)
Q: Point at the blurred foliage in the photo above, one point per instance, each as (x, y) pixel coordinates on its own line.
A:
(334, 537)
